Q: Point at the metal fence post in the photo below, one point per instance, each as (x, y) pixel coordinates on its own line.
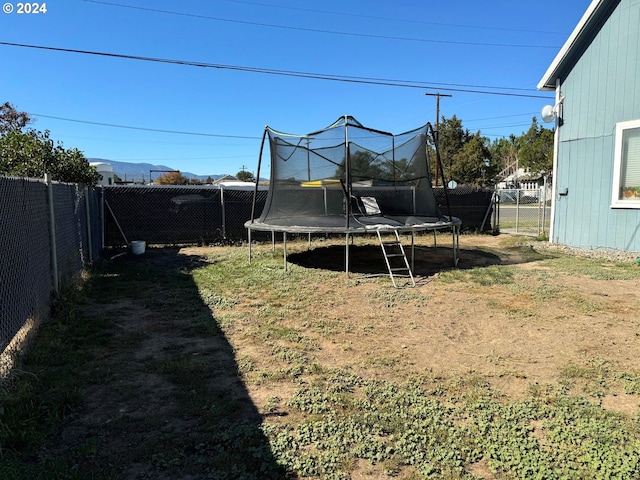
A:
(544, 205)
(52, 233)
(87, 207)
(496, 216)
(539, 215)
(102, 217)
(224, 218)
(517, 208)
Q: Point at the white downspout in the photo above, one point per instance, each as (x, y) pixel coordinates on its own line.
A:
(556, 148)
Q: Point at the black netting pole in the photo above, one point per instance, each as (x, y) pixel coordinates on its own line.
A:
(347, 171)
(255, 191)
(308, 161)
(434, 135)
(393, 163)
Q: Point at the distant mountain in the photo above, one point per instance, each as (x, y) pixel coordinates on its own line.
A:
(140, 172)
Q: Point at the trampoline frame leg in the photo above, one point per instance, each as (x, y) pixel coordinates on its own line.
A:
(455, 232)
(346, 256)
(284, 244)
(413, 252)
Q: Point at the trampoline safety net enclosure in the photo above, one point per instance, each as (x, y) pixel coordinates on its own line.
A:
(349, 179)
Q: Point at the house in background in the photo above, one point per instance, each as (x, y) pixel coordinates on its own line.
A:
(106, 173)
(521, 178)
(596, 174)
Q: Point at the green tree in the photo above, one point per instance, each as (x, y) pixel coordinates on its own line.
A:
(536, 149)
(172, 178)
(473, 165)
(451, 140)
(31, 153)
(245, 176)
(12, 120)
(504, 151)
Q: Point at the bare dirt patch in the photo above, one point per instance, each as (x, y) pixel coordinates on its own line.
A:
(518, 333)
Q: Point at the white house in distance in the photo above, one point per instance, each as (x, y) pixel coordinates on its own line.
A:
(596, 79)
(106, 173)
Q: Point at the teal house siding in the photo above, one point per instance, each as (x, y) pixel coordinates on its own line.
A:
(598, 76)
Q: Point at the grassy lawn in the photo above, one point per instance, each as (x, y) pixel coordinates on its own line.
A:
(196, 364)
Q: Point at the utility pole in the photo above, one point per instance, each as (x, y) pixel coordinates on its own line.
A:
(437, 130)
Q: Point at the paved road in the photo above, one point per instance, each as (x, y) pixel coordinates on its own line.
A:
(528, 217)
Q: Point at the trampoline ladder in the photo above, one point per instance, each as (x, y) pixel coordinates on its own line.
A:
(396, 259)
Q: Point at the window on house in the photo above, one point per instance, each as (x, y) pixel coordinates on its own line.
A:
(626, 175)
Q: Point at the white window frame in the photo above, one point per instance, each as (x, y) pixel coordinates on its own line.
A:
(616, 201)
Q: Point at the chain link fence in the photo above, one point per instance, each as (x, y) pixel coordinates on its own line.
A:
(474, 206)
(78, 228)
(176, 215)
(49, 232)
(524, 211)
(205, 215)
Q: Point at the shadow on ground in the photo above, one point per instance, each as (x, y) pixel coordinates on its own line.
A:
(166, 398)
(368, 259)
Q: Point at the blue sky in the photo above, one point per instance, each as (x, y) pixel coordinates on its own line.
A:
(434, 45)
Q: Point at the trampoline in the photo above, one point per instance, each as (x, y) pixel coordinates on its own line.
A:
(349, 179)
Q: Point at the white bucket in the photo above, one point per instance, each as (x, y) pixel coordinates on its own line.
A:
(137, 247)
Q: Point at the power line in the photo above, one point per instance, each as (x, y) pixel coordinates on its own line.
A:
(510, 125)
(178, 132)
(314, 30)
(419, 22)
(317, 76)
(129, 127)
(181, 159)
(501, 116)
(494, 135)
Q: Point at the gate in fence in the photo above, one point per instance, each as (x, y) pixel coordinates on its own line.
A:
(524, 211)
